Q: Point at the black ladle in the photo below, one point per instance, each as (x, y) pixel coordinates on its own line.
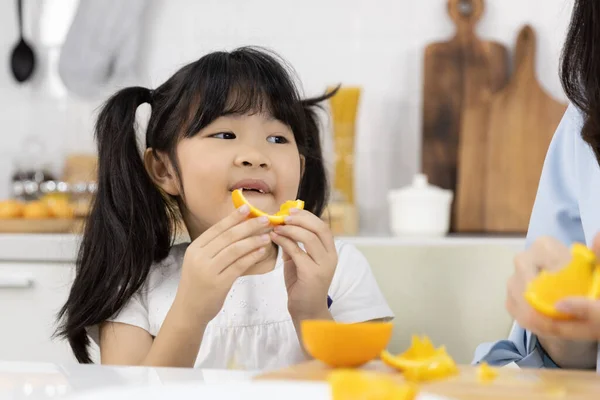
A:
(22, 60)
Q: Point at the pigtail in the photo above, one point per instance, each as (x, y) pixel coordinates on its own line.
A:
(129, 227)
(314, 187)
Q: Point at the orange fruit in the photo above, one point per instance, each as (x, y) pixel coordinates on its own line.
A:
(11, 209)
(62, 209)
(277, 219)
(579, 278)
(422, 361)
(59, 206)
(345, 345)
(36, 210)
(348, 384)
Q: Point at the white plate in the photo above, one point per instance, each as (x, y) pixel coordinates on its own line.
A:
(231, 391)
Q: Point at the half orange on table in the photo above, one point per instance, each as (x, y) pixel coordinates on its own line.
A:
(579, 278)
(276, 219)
(345, 345)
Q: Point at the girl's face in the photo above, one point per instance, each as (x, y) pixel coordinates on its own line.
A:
(253, 152)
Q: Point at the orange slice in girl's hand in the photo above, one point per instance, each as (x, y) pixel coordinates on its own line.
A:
(579, 278)
(422, 361)
(277, 219)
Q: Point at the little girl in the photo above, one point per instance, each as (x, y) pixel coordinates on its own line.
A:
(238, 292)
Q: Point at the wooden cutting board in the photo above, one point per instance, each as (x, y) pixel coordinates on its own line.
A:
(522, 121)
(511, 383)
(458, 73)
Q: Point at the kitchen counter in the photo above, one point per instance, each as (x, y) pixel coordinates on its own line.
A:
(20, 380)
(39, 247)
(63, 247)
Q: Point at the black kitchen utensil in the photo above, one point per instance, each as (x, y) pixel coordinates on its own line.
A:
(22, 60)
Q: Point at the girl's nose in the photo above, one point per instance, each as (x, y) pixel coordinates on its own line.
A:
(252, 158)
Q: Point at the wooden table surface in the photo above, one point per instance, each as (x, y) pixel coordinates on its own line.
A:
(511, 383)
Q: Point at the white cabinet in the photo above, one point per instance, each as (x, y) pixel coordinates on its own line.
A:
(30, 296)
(451, 289)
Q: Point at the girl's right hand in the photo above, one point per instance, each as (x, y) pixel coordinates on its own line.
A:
(218, 257)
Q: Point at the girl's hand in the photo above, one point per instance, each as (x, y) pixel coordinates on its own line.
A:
(308, 274)
(217, 258)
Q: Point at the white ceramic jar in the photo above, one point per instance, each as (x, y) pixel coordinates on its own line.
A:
(420, 210)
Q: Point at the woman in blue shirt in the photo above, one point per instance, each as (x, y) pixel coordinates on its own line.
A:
(566, 210)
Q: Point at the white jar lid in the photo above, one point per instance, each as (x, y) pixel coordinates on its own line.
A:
(420, 188)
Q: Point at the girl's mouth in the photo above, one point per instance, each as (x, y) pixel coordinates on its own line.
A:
(252, 186)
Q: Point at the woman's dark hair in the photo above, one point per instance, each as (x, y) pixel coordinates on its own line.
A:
(131, 224)
(580, 68)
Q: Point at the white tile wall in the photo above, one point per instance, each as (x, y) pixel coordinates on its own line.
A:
(375, 44)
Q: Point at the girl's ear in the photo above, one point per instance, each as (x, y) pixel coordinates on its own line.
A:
(161, 171)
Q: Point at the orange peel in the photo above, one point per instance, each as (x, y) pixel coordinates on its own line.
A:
(348, 384)
(579, 278)
(485, 373)
(276, 219)
(422, 361)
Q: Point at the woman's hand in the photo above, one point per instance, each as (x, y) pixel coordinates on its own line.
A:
(544, 254)
(308, 274)
(571, 344)
(586, 322)
(217, 258)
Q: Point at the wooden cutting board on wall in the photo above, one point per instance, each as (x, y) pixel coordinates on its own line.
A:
(522, 122)
(458, 73)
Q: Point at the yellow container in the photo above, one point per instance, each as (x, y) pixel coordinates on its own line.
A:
(344, 106)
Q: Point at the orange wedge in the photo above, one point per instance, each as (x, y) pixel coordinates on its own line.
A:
(422, 361)
(345, 345)
(579, 278)
(347, 384)
(485, 373)
(277, 219)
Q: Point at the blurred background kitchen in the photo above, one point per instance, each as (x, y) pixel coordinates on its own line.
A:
(416, 106)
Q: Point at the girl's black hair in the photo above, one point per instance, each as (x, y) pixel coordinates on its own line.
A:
(131, 224)
(580, 68)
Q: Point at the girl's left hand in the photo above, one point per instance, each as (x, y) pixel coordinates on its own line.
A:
(308, 274)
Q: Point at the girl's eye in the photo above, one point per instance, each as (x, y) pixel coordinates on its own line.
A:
(277, 139)
(224, 135)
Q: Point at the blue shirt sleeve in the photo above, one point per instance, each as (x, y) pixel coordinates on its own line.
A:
(555, 213)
